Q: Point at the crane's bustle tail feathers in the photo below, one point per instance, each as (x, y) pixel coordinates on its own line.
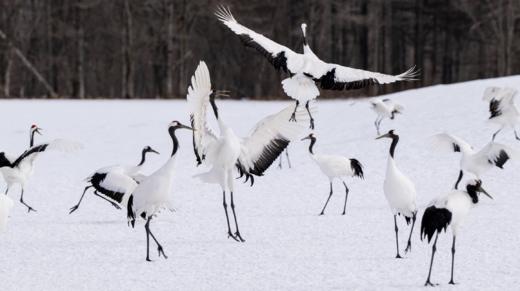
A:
(434, 220)
(224, 14)
(357, 168)
(410, 75)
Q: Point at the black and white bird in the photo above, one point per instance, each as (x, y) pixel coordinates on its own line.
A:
(6, 204)
(226, 151)
(152, 194)
(502, 108)
(34, 129)
(335, 167)
(19, 170)
(472, 161)
(400, 192)
(449, 210)
(115, 183)
(385, 108)
(306, 70)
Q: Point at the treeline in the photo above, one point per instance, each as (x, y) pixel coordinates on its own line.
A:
(149, 48)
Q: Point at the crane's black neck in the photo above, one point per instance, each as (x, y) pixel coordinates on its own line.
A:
(31, 140)
(213, 104)
(143, 157)
(395, 140)
(175, 141)
(472, 192)
(311, 145)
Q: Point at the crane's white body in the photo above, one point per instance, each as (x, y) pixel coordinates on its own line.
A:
(333, 166)
(385, 108)
(502, 107)
(399, 190)
(153, 193)
(5, 207)
(459, 204)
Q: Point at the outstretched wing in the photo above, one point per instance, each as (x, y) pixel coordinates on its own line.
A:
(501, 100)
(198, 100)
(495, 154)
(269, 138)
(448, 142)
(59, 145)
(338, 77)
(278, 55)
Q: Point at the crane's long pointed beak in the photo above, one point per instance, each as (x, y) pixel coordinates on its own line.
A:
(187, 127)
(384, 135)
(154, 151)
(37, 130)
(307, 137)
(485, 193)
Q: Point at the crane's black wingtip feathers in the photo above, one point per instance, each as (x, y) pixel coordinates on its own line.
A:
(434, 220)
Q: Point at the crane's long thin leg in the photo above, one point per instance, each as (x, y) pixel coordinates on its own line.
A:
(227, 216)
(458, 179)
(434, 248)
(160, 249)
(398, 256)
(516, 135)
(310, 115)
(237, 233)
(29, 208)
(327, 202)
(104, 198)
(495, 134)
(452, 261)
(6, 190)
(287, 156)
(293, 115)
(75, 207)
(346, 196)
(280, 162)
(377, 123)
(147, 229)
(409, 244)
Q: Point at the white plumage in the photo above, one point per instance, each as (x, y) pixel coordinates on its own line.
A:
(502, 108)
(19, 170)
(449, 210)
(252, 155)
(153, 193)
(399, 192)
(384, 108)
(335, 167)
(472, 161)
(115, 183)
(307, 69)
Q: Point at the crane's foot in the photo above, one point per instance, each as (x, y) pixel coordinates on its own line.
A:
(408, 247)
(73, 208)
(238, 237)
(230, 235)
(428, 283)
(452, 282)
(148, 259)
(161, 251)
(293, 117)
(398, 256)
(343, 213)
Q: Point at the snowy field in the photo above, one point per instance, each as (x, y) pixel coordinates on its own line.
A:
(288, 246)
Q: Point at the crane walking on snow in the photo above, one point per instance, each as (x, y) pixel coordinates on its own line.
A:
(502, 108)
(449, 210)
(152, 194)
(335, 167)
(400, 192)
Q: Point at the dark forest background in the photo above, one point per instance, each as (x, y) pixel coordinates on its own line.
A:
(149, 48)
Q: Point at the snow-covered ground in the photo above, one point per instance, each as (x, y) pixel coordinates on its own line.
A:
(288, 247)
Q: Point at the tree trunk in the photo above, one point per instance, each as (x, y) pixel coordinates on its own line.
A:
(170, 42)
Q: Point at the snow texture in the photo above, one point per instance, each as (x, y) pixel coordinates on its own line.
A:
(288, 246)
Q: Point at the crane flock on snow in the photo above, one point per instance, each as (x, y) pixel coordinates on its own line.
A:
(225, 156)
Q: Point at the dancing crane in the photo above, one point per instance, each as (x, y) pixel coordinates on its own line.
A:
(153, 193)
(385, 108)
(307, 70)
(472, 161)
(114, 182)
(335, 167)
(502, 108)
(252, 155)
(400, 192)
(449, 210)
